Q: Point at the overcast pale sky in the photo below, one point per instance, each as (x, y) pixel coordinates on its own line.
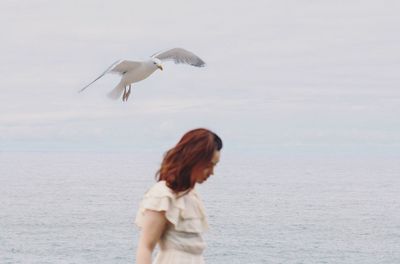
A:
(281, 76)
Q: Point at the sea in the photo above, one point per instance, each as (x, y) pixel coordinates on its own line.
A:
(79, 207)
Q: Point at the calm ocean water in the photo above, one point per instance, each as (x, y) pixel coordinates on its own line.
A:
(80, 207)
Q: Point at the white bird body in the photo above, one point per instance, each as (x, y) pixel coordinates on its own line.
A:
(136, 71)
(136, 74)
(144, 70)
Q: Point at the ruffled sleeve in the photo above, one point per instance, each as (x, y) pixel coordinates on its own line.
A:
(185, 213)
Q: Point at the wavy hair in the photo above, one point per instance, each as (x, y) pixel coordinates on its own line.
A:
(195, 148)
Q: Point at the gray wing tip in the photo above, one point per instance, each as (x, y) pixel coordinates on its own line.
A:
(84, 88)
(199, 63)
(106, 71)
(195, 64)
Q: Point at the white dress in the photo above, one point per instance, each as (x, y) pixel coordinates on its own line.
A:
(182, 242)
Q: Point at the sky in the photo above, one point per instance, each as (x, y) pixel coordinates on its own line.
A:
(281, 76)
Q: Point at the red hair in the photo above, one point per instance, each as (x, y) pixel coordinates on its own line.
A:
(195, 148)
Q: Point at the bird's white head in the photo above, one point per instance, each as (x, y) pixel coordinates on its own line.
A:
(157, 62)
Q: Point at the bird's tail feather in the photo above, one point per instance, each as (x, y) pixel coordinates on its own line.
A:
(117, 92)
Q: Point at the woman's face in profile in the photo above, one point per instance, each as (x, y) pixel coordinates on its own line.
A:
(201, 173)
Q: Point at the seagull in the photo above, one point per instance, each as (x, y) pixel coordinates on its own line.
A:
(136, 71)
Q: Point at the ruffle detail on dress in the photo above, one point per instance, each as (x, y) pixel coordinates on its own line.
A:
(186, 213)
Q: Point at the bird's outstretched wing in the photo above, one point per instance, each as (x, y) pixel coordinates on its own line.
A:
(179, 55)
(120, 67)
(124, 66)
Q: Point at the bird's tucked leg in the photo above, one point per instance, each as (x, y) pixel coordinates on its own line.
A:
(129, 92)
(124, 96)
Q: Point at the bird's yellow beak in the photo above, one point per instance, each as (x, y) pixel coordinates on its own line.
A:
(160, 67)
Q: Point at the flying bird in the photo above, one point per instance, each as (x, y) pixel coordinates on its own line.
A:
(136, 71)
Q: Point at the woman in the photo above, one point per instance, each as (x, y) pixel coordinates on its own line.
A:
(171, 213)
